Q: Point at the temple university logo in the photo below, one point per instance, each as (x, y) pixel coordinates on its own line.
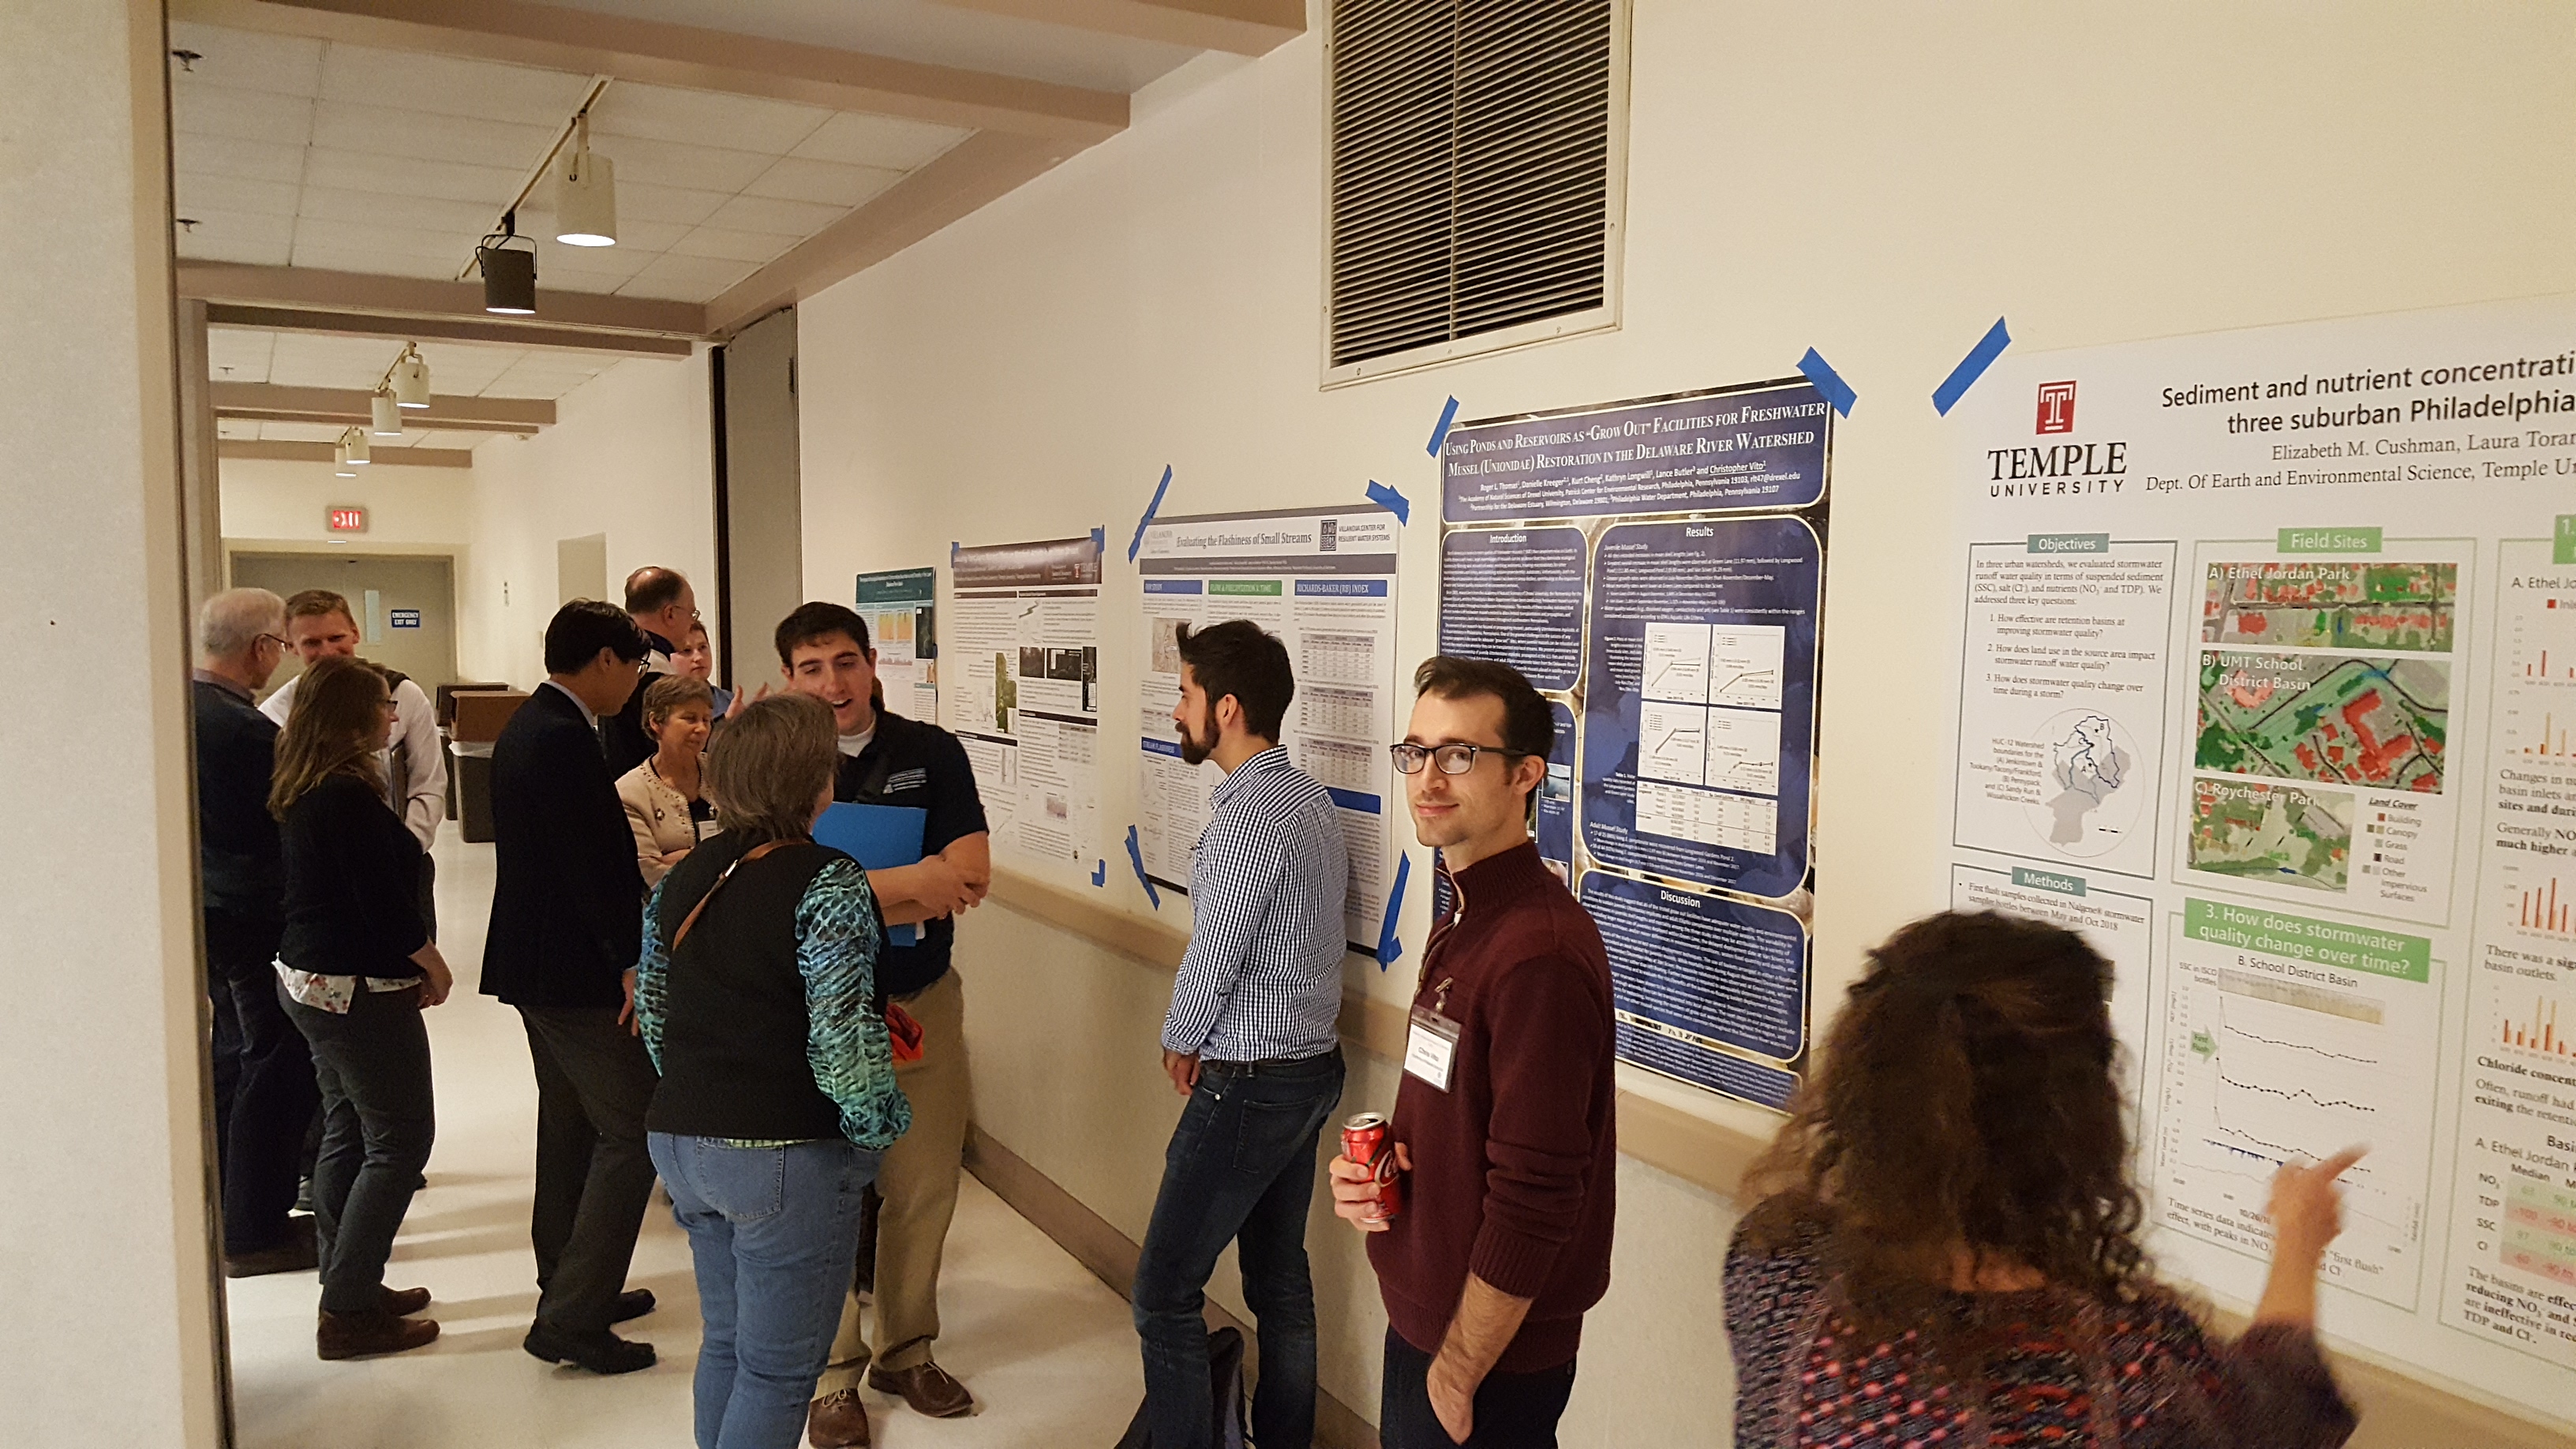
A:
(2057, 407)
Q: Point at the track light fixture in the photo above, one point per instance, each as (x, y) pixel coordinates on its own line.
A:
(354, 447)
(509, 274)
(385, 420)
(340, 459)
(410, 378)
(586, 195)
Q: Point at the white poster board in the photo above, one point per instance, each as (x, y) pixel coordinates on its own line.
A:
(1323, 580)
(1024, 692)
(2268, 667)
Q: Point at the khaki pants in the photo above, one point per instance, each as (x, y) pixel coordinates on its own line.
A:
(917, 1181)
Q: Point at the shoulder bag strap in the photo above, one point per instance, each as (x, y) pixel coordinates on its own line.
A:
(691, 919)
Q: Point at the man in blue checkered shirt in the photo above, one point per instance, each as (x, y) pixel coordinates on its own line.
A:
(1250, 1041)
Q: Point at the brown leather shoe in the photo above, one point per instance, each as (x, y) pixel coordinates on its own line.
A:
(404, 1302)
(838, 1420)
(927, 1387)
(360, 1335)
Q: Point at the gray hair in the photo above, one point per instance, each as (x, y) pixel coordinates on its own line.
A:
(233, 620)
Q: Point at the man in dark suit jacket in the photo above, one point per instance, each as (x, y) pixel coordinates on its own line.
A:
(567, 925)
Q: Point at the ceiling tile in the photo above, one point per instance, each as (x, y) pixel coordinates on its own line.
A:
(685, 279)
(556, 262)
(245, 60)
(242, 115)
(408, 213)
(326, 234)
(797, 219)
(826, 182)
(245, 352)
(327, 257)
(231, 236)
(489, 186)
(302, 432)
(641, 201)
(236, 427)
(670, 163)
(197, 155)
(196, 195)
(736, 246)
(382, 131)
(856, 139)
(452, 86)
(665, 113)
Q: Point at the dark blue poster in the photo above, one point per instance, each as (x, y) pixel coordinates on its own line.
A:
(1556, 798)
(1699, 703)
(1706, 966)
(1761, 447)
(1516, 595)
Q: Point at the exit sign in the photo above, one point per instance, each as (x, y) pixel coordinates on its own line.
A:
(348, 520)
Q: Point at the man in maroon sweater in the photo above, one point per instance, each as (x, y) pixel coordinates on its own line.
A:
(1503, 1123)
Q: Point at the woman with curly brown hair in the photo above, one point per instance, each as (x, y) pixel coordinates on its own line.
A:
(1944, 1250)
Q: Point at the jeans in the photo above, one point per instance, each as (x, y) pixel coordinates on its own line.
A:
(264, 1087)
(1513, 1411)
(594, 1181)
(773, 1231)
(377, 1124)
(1240, 1169)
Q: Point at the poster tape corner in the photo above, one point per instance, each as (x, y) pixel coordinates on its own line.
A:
(1389, 944)
(1440, 430)
(1136, 858)
(1828, 382)
(1151, 508)
(1390, 500)
(1971, 367)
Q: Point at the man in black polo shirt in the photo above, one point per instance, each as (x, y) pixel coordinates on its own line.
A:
(889, 760)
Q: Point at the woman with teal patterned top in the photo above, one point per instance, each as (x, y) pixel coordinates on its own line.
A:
(756, 996)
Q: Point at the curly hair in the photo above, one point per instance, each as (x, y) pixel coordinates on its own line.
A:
(1967, 1116)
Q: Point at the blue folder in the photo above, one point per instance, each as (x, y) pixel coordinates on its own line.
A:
(878, 837)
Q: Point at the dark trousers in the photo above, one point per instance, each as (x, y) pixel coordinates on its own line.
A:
(378, 1121)
(1240, 1169)
(594, 1176)
(264, 1088)
(1513, 1411)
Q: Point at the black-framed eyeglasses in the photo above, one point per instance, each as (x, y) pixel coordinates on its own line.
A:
(273, 639)
(1452, 759)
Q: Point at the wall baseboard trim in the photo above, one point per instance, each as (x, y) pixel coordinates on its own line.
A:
(1111, 1257)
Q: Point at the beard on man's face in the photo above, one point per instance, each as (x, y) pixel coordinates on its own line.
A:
(1195, 750)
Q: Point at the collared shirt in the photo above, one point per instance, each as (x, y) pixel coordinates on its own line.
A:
(228, 686)
(1263, 976)
(589, 716)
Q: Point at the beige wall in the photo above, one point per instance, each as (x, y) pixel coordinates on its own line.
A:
(1878, 182)
(629, 457)
(270, 502)
(107, 1336)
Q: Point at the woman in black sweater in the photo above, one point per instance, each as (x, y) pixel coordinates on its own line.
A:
(355, 967)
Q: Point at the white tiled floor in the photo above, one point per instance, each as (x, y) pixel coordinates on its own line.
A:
(1044, 1345)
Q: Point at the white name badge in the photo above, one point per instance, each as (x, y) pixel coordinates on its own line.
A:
(1431, 1047)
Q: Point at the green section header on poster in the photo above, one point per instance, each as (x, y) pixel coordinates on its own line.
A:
(2563, 542)
(2329, 540)
(2069, 543)
(2339, 944)
(2048, 880)
(1245, 588)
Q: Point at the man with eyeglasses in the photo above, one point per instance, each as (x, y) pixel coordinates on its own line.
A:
(264, 1087)
(1502, 1124)
(665, 608)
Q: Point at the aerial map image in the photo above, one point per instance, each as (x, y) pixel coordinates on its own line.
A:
(2279, 833)
(2332, 604)
(2343, 719)
(2090, 759)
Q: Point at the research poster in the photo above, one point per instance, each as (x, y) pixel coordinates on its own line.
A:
(901, 607)
(1323, 580)
(2268, 663)
(1657, 569)
(1024, 691)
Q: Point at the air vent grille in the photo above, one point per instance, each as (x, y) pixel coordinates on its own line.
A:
(1470, 168)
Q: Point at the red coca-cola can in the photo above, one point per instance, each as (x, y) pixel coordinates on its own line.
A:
(1366, 1139)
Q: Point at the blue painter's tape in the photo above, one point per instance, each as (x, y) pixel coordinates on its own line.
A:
(1828, 381)
(1136, 858)
(1100, 540)
(1390, 500)
(1150, 510)
(1440, 434)
(1971, 367)
(1389, 945)
(1100, 873)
